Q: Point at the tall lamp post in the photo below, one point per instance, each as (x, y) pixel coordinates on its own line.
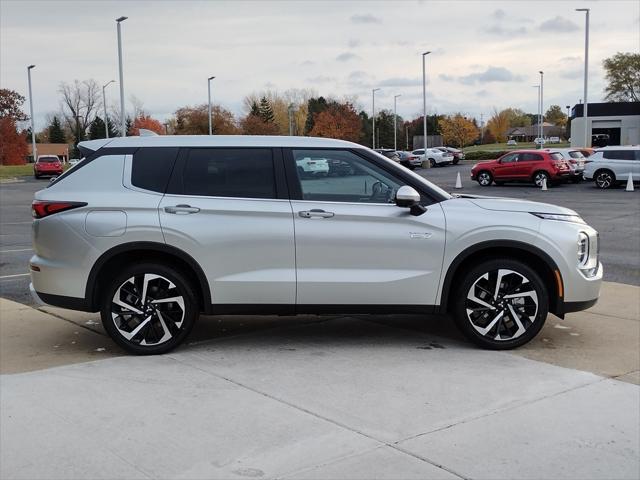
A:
(424, 104)
(373, 116)
(209, 103)
(33, 130)
(395, 123)
(123, 122)
(538, 87)
(104, 104)
(541, 106)
(290, 112)
(587, 137)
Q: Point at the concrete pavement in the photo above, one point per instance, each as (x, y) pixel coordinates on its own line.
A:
(321, 397)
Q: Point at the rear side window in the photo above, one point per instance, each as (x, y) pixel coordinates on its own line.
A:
(152, 168)
(533, 157)
(229, 172)
(576, 154)
(619, 154)
(556, 156)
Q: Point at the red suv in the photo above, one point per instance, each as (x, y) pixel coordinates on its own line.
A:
(522, 166)
(47, 165)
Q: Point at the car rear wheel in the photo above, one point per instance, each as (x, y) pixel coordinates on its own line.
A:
(541, 177)
(149, 309)
(484, 178)
(432, 162)
(501, 304)
(605, 179)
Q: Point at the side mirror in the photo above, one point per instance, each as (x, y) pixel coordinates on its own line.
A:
(408, 197)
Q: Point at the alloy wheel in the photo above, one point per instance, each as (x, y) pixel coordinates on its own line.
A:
(147, 309)
(484, 179)
(501, 305)
(538, 179)
(604, 180)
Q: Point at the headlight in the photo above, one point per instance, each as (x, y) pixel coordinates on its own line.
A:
(587, 251)
(560, 217)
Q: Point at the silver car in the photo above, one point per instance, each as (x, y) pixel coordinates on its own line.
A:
(153, 231)
(610, 166)
(576, 161)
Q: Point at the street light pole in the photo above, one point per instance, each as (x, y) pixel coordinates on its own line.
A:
(395, 123)
(424, 104)
(209, 103)
(587, 137)
(373, 116)
(33, 129)
(123, 123)
(538, 87)
(290, 111)
(541, 106)
(104, 105)
(406, 131)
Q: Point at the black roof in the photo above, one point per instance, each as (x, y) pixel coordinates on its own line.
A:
(612, 109)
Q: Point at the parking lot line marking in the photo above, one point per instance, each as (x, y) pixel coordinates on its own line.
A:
(16, 223)
(16, 250)
(14, 276)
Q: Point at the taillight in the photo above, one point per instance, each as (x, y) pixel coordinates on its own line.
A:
(43, 208)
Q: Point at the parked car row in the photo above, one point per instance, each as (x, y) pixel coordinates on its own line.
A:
(436, 156)
(606, 167)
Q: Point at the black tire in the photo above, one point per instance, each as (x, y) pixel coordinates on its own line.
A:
(604, 179)
(432, 162)
(170, 320)
(484, 178)
(538, 176)
(533, 303)
(456, 161)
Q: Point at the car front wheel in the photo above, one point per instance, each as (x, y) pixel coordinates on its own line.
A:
(484, 179)
(501, 304)
(149, 309)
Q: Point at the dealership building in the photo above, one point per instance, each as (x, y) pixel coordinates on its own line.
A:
(618, 123)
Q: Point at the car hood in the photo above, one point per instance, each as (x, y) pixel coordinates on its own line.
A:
(515, 205)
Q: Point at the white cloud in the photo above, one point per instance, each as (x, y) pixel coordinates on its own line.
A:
(491, 74)
(367, 18)
(347, 56)
(558, 25)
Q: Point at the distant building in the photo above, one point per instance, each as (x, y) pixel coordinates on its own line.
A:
(59, 149)
(530, 133)
(607, 123)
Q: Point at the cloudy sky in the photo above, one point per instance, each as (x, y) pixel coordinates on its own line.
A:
(486, 54)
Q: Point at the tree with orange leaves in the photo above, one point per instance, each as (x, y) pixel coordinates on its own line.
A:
(147, 123)
(338, 120)
(13, 146)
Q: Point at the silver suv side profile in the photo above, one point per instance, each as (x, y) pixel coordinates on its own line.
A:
(611, 166)
(153, 231)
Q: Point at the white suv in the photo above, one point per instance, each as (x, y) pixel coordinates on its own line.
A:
(152, 231)
(610, 166)
(435, 156)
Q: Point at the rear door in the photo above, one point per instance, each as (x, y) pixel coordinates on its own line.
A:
(354, 246)
(528, 163)
(228, 209)
(622, 162)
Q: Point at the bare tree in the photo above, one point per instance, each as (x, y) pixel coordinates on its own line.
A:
(81, 100)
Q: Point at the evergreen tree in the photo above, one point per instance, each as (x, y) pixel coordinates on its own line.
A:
(96, 129)
(266, 112)
(56, 134)
(114, 131)
(314, 107)
(129, 127)
(255, 110)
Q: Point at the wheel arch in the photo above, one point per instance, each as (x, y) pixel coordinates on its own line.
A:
(534, 257)
(109, 262)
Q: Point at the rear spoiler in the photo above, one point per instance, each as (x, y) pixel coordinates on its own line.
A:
(90, 146)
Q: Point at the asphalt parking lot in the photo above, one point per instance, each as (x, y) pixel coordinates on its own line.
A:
(396, 396)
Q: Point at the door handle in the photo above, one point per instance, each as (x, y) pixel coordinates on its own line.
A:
(181, 209)
(315, 212)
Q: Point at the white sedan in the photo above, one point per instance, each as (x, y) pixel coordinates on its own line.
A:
(434, 156)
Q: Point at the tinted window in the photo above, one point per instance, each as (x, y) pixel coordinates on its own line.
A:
(576, 154)
(230, 172)
(619, 154)
(152, 168)
(532, 157)
(48, 160)
(510, 158)
(356, 180)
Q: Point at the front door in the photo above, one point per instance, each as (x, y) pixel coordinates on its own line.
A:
(223, 209)
(354, 246)
(506, 168)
